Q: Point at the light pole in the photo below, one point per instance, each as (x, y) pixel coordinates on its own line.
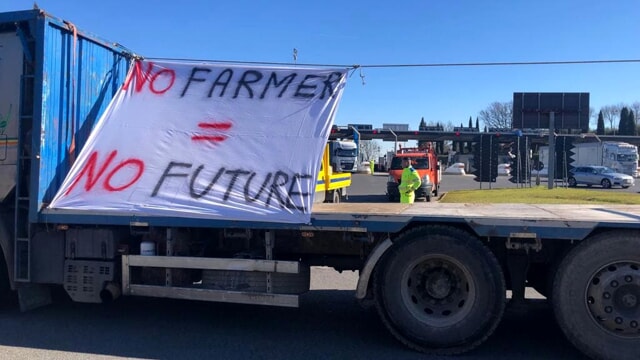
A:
(357, 139)
(395, 144)
(551, 173)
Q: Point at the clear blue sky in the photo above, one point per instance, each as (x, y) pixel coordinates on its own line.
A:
(403, 32)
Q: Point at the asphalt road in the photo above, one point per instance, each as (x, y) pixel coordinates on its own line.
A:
(330, 324)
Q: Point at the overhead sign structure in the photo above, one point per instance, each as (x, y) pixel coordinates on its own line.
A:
(396, 127)
(213, 141)
(360, 126)
(532, 111)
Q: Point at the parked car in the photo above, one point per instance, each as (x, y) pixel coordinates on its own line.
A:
(599, 175)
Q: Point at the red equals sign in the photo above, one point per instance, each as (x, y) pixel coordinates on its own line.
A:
(217, 128)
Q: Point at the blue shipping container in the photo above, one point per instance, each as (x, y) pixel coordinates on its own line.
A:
(67, 79)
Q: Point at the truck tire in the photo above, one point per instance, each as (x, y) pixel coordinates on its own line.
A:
(439, 290)
(596, 295)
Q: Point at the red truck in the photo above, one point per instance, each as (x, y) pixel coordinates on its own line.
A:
(425, 161)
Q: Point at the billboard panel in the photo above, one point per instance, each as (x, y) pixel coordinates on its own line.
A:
(531, 111)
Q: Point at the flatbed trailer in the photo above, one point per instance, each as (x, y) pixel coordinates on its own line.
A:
(566, 222)
(436, 273)
(435, 266)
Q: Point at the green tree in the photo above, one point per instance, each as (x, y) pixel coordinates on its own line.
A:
(600, 127)
(633, 129)
(629, 123)
(623, 127)
(477, 124)
(469, 144)
(422, 126)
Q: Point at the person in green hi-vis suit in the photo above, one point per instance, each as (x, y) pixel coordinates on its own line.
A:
(372, 165)
(409, 182)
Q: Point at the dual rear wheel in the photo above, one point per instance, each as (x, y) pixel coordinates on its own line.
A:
(596, 295)
(439, 290)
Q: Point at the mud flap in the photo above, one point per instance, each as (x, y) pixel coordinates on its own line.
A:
(33, 296)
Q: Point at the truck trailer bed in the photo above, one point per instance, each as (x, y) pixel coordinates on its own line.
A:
(546, 221)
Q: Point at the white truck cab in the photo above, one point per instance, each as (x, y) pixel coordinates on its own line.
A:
(343, 155)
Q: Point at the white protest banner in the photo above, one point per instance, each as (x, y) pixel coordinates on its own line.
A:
(213, 141)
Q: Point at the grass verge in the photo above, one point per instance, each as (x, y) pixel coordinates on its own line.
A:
(541, 195)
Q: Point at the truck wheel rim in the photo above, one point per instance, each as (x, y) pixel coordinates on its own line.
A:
(613, 299)
(438, 290)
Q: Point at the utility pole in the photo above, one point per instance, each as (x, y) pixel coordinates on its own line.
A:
(552, 151)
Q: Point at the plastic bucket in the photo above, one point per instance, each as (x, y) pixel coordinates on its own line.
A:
(147, 248)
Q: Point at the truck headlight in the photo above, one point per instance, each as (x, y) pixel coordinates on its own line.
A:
(426, 179)
(391, 179)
